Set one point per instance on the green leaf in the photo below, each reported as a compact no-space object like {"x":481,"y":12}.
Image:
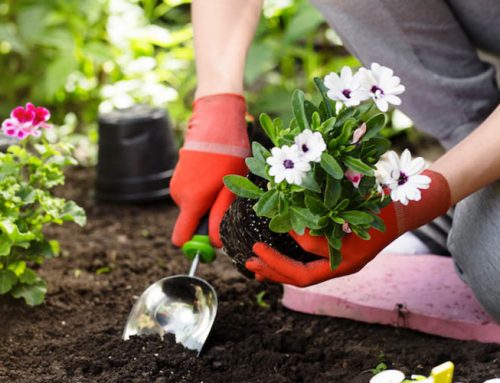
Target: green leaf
{"x":363,"y":234}
{"x":297,"y":225}
{"x":355,"y":217}
{"x":310,"y":183}
{"x":374,"y":125}
{"x":103,"y":270}
{"x":5,"y":245}
{"x":12,"y":232}
{"x":315,"y":121}
{"x":335,"y":257}
{"x":305,"y":21}
{"x":312,"y":114}
{"x":33,"y":294}
{"x":31,"y":22}
{"x":257,"y":167}
{"x":281,"y":223}
{"x":357,"y":165}
{"x":378,"y":223}
{"x":260,"y":60}
{"x":334,"y":241}
{"x":283,"y":204}
{"x":259,"y":151}
{"x":7,"y":279}
{"x":268,"y":126}
{"x":333,"y":191}
{"x":260,"y":300}
{"x":299,"y":110}
{"x":328,"y":125}
{"x":326,"y":104}
{"x":18,"y":267}
{"x":28,"y":277}
{"x":56,"y":74}
{"x":48,"y":249}
{"x":342,"y":204}
{"x":345,"y":133}
{"x":267,"y":204}
{"x":314,"y":204}
{"x":305,"y":216}
{"x":331,"y":166}
{"x":381,"y":144}
{"x":242,"y":186}
{"x":366,"y":185}
{"x":71,"y":212}
{"x":338,"y":220}
{"x":98,"y":51}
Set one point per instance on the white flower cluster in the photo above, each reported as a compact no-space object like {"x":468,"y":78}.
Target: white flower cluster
{"x":291,"y":163}
{"x":402,"y":176}
{"x":378,"y":84}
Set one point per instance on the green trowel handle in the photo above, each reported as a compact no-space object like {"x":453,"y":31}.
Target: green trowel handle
{"x":200,"y":244}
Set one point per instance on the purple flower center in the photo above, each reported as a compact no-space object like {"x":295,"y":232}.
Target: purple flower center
{"x":377,"y":91}
{"x":305,"y":149}
{"x":288,"y":164}
{"x":346,"y":93}
{"x":403,"y":178}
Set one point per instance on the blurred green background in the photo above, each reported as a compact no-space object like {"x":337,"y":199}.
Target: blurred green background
{"x":80,"y":57}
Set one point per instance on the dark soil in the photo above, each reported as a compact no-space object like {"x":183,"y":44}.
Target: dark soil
{"x":241,"y":229}
{"x":75,"y":336}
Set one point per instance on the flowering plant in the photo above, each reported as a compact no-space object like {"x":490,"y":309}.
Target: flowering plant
{"x":327,"y":169}
{"x":28,"y":172}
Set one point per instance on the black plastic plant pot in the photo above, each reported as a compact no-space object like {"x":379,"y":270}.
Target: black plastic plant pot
{"x":137,"y":155}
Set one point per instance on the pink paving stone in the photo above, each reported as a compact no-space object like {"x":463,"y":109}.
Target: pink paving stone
{"x":420,"y":292}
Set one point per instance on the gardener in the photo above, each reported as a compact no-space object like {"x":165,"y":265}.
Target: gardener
{"x":431,"y":44}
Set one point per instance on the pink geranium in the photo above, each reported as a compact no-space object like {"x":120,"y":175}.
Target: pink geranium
{"x":26,"y":121}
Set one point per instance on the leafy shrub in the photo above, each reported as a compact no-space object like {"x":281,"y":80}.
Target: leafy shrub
{"x":28,"y":173}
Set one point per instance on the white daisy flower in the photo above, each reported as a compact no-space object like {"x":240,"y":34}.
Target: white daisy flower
{"x":288,"y":164}
{"x":382,"y":86}
{"x":388,"y":376}
{"x":346,"y":88}
{"x":311,"y":145}
{"x":404,"y":178}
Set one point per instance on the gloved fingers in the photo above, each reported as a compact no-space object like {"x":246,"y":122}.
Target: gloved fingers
{"x":224,"y":199}
{"x":299,"y":274}
{"x":265,"y":273}
{"x":312,"y":244}
{"x":185,"y":226}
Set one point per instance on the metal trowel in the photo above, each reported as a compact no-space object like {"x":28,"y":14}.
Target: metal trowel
{"x":183,"y":305}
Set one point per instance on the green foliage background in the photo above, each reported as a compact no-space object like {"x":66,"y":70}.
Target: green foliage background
{"x":78,"y":56}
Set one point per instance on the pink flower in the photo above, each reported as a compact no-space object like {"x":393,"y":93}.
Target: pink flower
{"x":41,"y":115}
{"x":354,"y":177}
{"x":358,"y":134}
{"x":26,"y":121}
{"x":346,"y":228}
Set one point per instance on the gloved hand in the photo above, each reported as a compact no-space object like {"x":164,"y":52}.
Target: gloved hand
{"x":216,"y":144}
{"x":356,"y":253}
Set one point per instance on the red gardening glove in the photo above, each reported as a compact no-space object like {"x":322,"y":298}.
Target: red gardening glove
{"x":356,"y":253}
{"x":216,"y":144}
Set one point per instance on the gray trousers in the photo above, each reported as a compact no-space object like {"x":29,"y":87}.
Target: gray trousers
{"x":432,"y":45}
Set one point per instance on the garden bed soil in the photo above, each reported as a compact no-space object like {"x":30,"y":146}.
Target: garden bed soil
{"x":76,"y":335}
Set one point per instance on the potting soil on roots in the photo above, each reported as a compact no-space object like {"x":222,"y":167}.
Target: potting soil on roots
{"x":76,"y":335}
